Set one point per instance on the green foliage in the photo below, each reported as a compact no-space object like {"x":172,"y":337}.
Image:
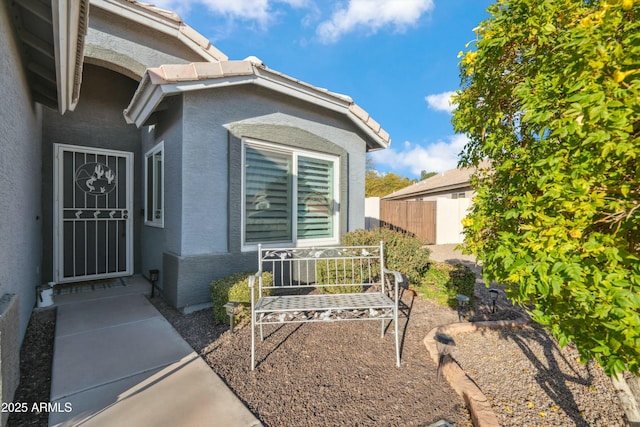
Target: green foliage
{"x":402,"y":252}
{"x":441,"y":282}
{"x":462,"y":280}
{"x":437,"y":281}
{"x":424,"y":175}
{"x":343,"y":272}
{"x":551,"y":96}
{"x":379,"y":185}
{"x":236,"y":288}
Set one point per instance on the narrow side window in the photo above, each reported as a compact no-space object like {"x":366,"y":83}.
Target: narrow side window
{"x":154,"y":186}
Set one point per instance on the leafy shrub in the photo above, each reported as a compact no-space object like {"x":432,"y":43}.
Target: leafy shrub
{"x":442,"y":282}
{"x":235,"y":288}
{"x":463,"y":281}
{"x":341,"y":272}
{"x":556,"y":220}
{"x":437,"y":273}
{"x":402,"y":252}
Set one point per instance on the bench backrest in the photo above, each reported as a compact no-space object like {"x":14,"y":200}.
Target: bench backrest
{"x":337,"y":266}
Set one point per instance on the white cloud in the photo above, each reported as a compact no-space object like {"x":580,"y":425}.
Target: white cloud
{"x":251,"y":10}
{"x":181,"y":7}
{"x":261,"y":12}
{"x":372,"y":15}
{"x":412,"y":158}
{"x":441,"y":102}
{"x":368,"y":16}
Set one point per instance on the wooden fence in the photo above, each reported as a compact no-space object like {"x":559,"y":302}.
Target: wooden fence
{"x":416,"y":217}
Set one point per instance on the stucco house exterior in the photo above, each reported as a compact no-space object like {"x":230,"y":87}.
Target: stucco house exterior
{"x":130,"y":143}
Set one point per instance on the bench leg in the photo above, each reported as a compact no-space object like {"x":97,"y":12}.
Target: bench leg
{"x":395,"y":321}
{"x":382,"y":330}
{"x":253,"y":341}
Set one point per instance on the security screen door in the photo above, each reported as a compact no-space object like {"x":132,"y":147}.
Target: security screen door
{"x":92,"y":213}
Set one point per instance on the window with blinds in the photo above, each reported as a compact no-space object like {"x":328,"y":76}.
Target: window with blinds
{"x":268,"y":190}
{"x":154,"y":182}
{"x":288,"y":195}
{"x":315,"y":198}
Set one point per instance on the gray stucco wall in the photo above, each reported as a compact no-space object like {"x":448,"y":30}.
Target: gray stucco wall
{"x":113,"y":40}
{"x":20,"y":209}
{"x":209,"y":244}
{"x":156,"y":241}
{"x":210,"y":116}
{"x":96,"y":122}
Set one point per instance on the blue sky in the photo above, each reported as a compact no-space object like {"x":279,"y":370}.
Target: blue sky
{"x":397,"y":59}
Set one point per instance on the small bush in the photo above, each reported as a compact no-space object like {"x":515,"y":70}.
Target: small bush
{"x":463,"y":281}
{"x":341,"y":272}
{"x":437,"y":274}
{"x":441,"y":282}
{"x":402,"y":252}
{"x":235,"y":288}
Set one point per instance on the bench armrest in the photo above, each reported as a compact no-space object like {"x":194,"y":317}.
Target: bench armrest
{"x":398,"y":281}
{"x":253,"y":278}
{"x":397,"y":276}
{"x":252,"y":290}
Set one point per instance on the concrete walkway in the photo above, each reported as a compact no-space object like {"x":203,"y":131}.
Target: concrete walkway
{"x":118,"y":362}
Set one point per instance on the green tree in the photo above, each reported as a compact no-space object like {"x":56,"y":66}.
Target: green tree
{"x":424,"y":175}
{"x":550,"y":95}
{"x":380,"y":185}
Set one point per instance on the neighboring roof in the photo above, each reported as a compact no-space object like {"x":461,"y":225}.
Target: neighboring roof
{"x":454,"y":179}
{"x":164,"y":21}
{"x":51,"y":35}
{"x":166,"y":80}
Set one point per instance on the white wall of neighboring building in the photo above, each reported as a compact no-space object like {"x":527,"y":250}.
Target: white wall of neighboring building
{"x":449,"y":215}
{"x":371,"y":212}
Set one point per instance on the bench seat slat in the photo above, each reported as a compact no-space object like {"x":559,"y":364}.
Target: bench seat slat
{"x":374,"y":300}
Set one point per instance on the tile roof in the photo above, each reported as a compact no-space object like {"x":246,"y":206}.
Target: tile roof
{"x":164,"y":20}
{"x":175,"y":78}
{"x":449,"y":180}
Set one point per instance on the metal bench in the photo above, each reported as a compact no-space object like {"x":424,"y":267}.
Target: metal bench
{"x":325,"y":284}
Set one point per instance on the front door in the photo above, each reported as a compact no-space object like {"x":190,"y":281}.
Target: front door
{"x":93,"y":236}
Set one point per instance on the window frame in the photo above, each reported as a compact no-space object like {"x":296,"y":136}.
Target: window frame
{"x":150,"y":155}
{"x":295,"y":153}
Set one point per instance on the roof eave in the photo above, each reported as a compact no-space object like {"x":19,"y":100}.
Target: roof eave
{"x":233,"y":73}
{"x":144,"y":102}
{"x":428,"y":192}
{"x":70,"y":19}
{"x":141,"y":108}
{"x":379,"y":137}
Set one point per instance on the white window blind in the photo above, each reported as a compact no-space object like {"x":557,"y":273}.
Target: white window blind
{"x":268,"y":193}
{"x":289,"y":195}
{"x":315,"y":198}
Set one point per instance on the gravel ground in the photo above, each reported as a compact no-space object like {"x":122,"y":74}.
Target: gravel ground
{"x":331,"y":374}
{"x":527,"y":378}
{"x":36,"y":357}
{"x":344,"y":374}
{"x":530,"y":381}
{"x":523,"y":372}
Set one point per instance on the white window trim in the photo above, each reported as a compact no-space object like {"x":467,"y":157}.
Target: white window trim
{"x":159,"y":148}
{"x":295,"y":152}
